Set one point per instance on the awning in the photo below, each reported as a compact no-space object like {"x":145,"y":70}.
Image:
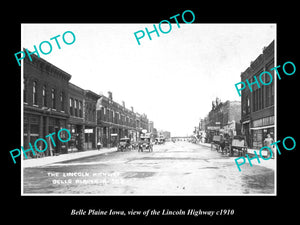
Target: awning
{"x":247,"y":121}
{"x":259,"y":128}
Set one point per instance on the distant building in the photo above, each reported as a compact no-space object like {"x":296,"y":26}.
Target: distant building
{"x":165,"y":134}
{"x":115,"y":121}
{"x":224,"y":118}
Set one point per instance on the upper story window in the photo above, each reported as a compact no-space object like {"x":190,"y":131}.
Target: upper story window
{"x":25,"y":90}
{"x":71,"y":106}
{"x":80,"y":108}
{"x":53,"y":98}
{"x":34,"y":93}
{"x":44,"y":99}
{"x":62,"y":101}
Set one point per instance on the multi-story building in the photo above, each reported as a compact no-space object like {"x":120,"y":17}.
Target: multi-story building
{"x":76,"y":120}
{"x":51,"y":102}
{"x":116,"y":121}
{"x":224,"y":117}
{"x":90,"y":119}
{"x":82,"y":122}
{"x":45,"y":102}
{"x":257,"y":114}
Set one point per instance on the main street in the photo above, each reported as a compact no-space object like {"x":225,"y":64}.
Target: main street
{"x":180,"y":168}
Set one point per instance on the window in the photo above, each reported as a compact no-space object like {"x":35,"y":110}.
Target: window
{"x":75,"y":107}
{"x":25,"y":90}
{"x":272,"y":94}
{"x":71,"y":106}
{"x":44,"y":99}
{"x":62,"y":101}
{"x":34,"y":93}
{"x":53,"y":98}
{"x":248,"y":104}
{"x":80,"y":108}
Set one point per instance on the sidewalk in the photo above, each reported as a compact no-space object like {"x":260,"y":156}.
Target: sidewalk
{"x":35,"y":162}
{"x":249,"y":150}
{"x":265,"y":163}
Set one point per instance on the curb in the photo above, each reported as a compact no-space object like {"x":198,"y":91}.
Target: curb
{"x":36,"y":162}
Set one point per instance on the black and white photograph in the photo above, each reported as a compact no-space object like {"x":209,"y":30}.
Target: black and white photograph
{"x":176,"y":108}
{"x":150,"y":114}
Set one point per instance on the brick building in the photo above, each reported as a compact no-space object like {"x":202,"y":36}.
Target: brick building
{"x":90,"y":119}
{"x":82,"y":122}
{"x":45,"y":102}
{"x":258,"y":106}
{"x":76,"y":120}
{"x":224,"y":117}
{"x":115,"y":121}
{"x":52,"y":102}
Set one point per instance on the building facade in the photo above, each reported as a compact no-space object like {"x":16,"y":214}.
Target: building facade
{"x":51,"y":102}
{"x":115,"y":121}
{"x":257,"y":115}
{"x":224,"y":118}
{"x":76,"y":119}
{"x":90,"y":119}
{"x":45,"y":103}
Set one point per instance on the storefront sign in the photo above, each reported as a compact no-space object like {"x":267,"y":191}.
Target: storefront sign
{"x":213,"y":128}
{"x":88,"y":131}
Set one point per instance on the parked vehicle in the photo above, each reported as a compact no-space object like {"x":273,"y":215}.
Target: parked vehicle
{"x":124,"y":144}
{"x":159,"y":141}
{"x":216,"y":141}
{"x":145,"y":144}
{"x":135,"y":145}
{"x":239,"y":145}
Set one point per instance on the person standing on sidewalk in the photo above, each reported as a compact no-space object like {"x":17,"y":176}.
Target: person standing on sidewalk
{"x":267,"y":142}
{"x":99,"y":145}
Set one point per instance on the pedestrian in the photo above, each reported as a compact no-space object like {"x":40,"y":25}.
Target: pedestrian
{"x":267,"y":142}
{"x":99,"y":145}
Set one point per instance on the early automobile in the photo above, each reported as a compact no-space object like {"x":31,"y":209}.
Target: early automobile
{"x":124,"y":144}
{"x":159,"y":141}
{"x":216,"y":141}
{"x":239,"y":145}
{"x":145,"y":144}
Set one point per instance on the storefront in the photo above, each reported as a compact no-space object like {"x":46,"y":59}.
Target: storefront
{"x":260,"y":129}
{"x":211,"y":131}
{"x":89,"y":137}
{"x":77,"y":137}
{"x":39,"y":124}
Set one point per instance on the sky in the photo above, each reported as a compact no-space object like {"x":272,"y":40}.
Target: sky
{"x":172,"y":78}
